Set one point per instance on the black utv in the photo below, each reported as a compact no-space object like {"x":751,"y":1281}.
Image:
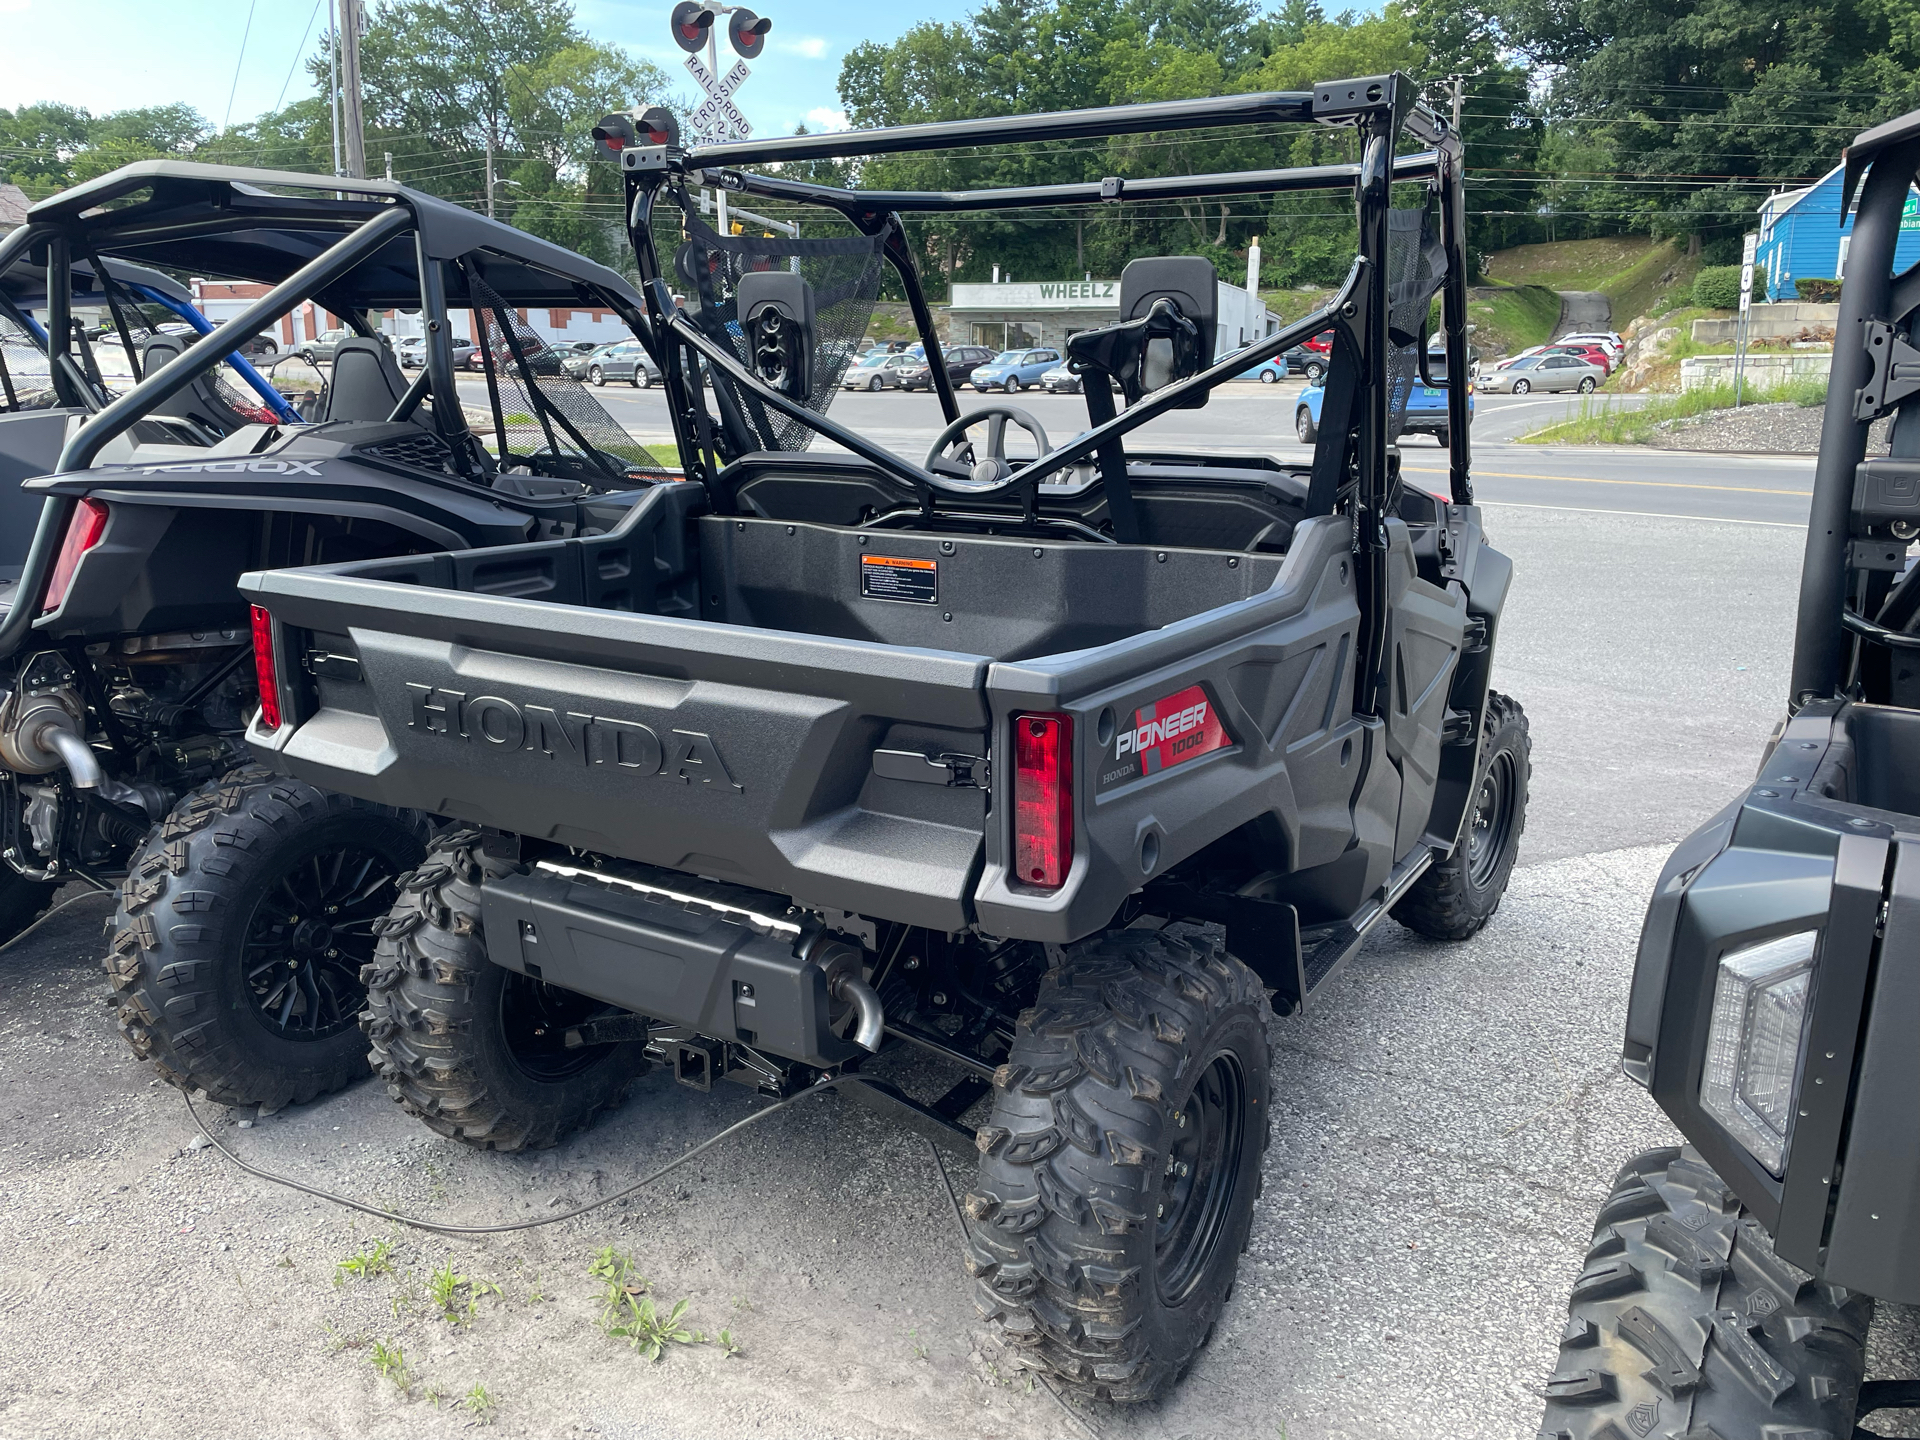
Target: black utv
{"x":1775,"y":1011}
{"x":827,"y":752}
{"x":247,"y":900}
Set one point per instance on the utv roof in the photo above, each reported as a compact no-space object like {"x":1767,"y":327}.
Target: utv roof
{"x":264,"y":225}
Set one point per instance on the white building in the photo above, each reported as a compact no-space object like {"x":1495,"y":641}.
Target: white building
{"x":1010,"y":315}
{"x":221,"y":300}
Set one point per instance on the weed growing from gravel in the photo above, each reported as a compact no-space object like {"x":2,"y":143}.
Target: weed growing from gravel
{"x":376,"y":1259}
{"x":390,"y":1363}
{"x":620,"y":1283}
{"x":457,"y":1296}
{"x":336,"y":1342}
{"x":646,"y":1330}
{"x":479,"y":1404}
{"x":729,"y":1347}
{"x":914,"y":1344}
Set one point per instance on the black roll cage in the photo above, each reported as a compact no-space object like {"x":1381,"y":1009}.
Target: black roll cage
{"x":352,"y":245}
{"x":1351,"y":460}
{"x":1842,"y":604}
{"x":1382,"y":109}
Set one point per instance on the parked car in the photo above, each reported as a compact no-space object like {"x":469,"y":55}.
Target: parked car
{"x":1426,"y":408}
{"x":322,"y":347}
{"x":1311,"y":357}
{"x":1594,"y":354}
{"x":581,"y":347}
{"x":1268,"y":372}
{"x":1061,"y":381}
{"x":1609,"y":340}
{"x":1014,"y":370}
{"x":1544,"y":372}
{"x":412,"y":352}
{"x":962,"y":361}
{"x":626,"y":360}
{"x":880,"y":371}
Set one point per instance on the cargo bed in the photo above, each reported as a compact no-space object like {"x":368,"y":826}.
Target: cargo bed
{"x":821,"y":712}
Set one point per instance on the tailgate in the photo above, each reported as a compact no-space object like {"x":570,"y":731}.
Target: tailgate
{"x":728,"y":751}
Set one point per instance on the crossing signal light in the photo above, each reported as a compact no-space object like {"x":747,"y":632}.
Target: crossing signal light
{"x":748,"y":33}
{"x":658,"y":127}
{"x":612,"y":135}
{"x":691,"y":21}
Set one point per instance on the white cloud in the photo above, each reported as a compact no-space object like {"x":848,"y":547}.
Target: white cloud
{"x":808,"y":47}
{"x":823,"y":117}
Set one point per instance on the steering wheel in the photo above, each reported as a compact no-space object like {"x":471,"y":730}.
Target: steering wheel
{"x":984,"y":473}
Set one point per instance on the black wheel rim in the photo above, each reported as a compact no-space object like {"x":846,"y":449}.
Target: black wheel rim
{"x":308,"y":937}
{"x":1491,"y":825}
{"x":534,"y":1020}
{"x":1202,"y":1171}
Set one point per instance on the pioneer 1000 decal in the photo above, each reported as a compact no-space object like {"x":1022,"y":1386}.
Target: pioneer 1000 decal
{"x":1170,"y":731}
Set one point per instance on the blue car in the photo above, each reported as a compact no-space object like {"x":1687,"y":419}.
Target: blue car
{"x":1014,"y":370}
{"x":1426,"y":408}
{"x":1267,"y":372}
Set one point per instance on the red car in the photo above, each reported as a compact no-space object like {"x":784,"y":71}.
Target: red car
{"x":1592,"y":354}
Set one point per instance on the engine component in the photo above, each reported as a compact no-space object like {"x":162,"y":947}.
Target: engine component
{"x":42,"y":731}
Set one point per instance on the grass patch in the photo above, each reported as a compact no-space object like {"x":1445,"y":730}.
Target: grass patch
{"x":1292,"y":305}
{"x":1661,"y":279}
{"x":1509,"y":318}
{"x":1570,"y":264}
{"x":1602,"y":423}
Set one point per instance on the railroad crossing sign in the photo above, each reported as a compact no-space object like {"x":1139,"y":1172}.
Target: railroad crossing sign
{"x":693,"y":26}
{"x":718,"y":116}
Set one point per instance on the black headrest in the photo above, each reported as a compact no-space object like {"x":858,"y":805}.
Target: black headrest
{"x":366,"y":383}
{"x":160,"y":350}
{"x":199,"y":402}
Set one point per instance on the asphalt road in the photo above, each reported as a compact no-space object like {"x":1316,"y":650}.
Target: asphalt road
{"x":1447,"y":1117}
{"x":1259,"y":418}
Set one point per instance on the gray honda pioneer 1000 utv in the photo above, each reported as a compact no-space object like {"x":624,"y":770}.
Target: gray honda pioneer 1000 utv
{"x":247,"y":900}
{"x":828,"y":752}
{"x":1775,"y":1013}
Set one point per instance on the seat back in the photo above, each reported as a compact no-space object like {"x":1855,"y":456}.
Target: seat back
{"x":30,"y":442}
{"x":366,"y":383}
{"x":199,"y":402}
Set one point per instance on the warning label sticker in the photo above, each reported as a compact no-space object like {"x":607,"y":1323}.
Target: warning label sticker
{"x":894,"y":577}
{"x":1172,"y":730}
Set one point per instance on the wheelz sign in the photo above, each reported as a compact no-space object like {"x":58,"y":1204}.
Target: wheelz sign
{"x":591,"y":741}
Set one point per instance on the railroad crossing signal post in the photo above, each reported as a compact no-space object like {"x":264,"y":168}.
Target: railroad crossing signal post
{"x":694,"y":23}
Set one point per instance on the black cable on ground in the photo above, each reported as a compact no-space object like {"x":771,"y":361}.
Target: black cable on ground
{"x":438,"y":1227}
{"x":84,"y":895}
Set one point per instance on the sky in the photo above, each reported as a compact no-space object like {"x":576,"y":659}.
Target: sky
{"x":118,"y":54}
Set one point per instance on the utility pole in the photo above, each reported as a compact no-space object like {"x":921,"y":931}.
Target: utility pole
{"x":333,"y":19}
{"x":389,"y":164}
{"x":354,"y":130}
{"x":1459,"y":84}
{"x":490,"y":174}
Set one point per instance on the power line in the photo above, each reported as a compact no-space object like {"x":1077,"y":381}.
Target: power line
{"x":239,"y":60}
{"x":299,"y":51}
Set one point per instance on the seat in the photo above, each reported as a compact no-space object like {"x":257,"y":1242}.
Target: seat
{"x":367,"y":383}
{"x":199,"y":404}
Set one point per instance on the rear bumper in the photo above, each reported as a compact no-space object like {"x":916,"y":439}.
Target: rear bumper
{"x":1782,"y":859}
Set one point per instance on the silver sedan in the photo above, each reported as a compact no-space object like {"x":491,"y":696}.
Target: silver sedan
{"x":1543,"y":372}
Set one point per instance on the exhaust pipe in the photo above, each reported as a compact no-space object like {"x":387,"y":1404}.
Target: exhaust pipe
{"x":847,"y":985}
{"x":81,"y":762}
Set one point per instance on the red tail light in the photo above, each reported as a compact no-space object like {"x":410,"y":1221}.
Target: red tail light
{"x":1042,"y":800}
{"x":84,"y":529}
{"x":265,"y":670}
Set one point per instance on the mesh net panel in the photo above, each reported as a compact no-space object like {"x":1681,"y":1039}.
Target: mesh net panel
{"x":1416,"y":264}
{"x":27,"y":377}
{"x":845,"y":273}
{"x":546,"y":411}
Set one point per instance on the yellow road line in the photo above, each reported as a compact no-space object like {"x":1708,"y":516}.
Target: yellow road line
{"x":1595,"y":480}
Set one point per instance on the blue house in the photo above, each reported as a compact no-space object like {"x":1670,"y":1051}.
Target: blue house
{"x":1800,"y":239}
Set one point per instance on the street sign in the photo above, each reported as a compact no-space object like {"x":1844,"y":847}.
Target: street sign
{"x":718,"y":116}
{"x":1747,"y":252}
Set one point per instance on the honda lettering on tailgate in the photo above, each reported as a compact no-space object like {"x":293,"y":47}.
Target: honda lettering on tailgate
{"x":1170,"y":731}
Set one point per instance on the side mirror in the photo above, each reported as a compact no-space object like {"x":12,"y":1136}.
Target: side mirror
{"x":776,"y":311}
{"x":1192,"y":284}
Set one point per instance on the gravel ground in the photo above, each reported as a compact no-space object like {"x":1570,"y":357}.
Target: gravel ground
{"x":1447,"y":1120}
{"x":1782,"y":429}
